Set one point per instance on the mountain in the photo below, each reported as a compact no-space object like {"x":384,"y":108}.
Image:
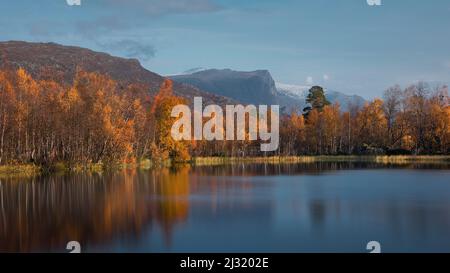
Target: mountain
{"x":296,"y":97}
{"x":345,"y":101}
{"x":63,"y":62}
{"x":193,"y":70}
{"x":258,"y":87}
{"x":255,"y":87}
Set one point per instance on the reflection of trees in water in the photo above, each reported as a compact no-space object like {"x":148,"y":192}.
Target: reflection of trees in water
{"x":171,"y":203}
{"x":305,"y":168}
{"x":45,"y":213}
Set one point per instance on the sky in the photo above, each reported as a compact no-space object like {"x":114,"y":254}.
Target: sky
{"x":343,"y":45}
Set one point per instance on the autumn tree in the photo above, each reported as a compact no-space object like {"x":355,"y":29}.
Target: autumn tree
{"x":372,"y":127}
{"x":164,"y":146}
{"x":392,"y":107}
{"x":292,"y":133}
{"x":417,"y":113}
{"x":331,"y":120}
{"x":438,"y":136}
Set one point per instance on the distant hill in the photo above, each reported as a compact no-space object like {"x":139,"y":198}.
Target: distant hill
{"x":222,"y":87}
{"x":294,"y":96}
{"x":255,"y":87}
{"x":62,"y":63}
{"x":258,"y":87}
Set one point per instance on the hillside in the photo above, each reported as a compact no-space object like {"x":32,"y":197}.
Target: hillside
{"x":61,"y":63}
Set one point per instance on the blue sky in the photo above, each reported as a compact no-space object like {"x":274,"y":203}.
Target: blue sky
{"x":345,"y":45}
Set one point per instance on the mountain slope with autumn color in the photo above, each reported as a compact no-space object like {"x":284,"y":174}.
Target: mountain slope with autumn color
{"x":60,"y":63}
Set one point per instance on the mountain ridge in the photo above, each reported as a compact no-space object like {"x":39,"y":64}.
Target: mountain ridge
{"x":63,"y":61}
{"x":250,"y":87}
{"x":218,"y":86}
{"x":258,"y":87}
{"x":298,"y":93}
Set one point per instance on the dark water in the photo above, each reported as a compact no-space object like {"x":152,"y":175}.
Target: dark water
{"x":320,"y":207}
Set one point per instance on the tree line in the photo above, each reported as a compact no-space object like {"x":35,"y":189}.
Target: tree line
{"x":415,"y":120}
{"x":93,"y":119}
{"x":412,"y":121}
{"x":90,"y":121}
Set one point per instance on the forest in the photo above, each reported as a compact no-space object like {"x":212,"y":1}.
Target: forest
{"x":95,"y":120}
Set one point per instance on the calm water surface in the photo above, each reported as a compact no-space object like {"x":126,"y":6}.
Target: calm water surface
{"x":323,"y":207}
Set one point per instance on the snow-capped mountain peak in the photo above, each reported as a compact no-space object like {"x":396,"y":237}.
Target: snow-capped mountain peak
{"x":295,"y":95}
{"x":299,"y":91}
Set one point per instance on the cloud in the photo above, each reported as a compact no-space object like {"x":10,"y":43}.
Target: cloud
{"x":131,"y":49}
{"x":309,"y":80}
{"x":104,"y":17}
{"x":100,"y":26}
{"x":164,"y":7}
{"x":326,"y":77}
{"x":120,"y":15}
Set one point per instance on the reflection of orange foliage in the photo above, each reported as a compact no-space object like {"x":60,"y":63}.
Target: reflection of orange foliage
{"x":173,"y":197}
{"x":44,"y":215}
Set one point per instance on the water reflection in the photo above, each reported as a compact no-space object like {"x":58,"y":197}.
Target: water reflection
{"x":253,"y":207}
{"x":42,"y":214}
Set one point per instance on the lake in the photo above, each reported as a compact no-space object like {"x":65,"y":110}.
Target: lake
{"x":317,"y":207}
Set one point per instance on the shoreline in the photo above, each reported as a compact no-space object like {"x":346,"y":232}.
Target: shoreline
{"x":30,"y":170}
{"x":433,"y":159}
{"x":19,"y":170}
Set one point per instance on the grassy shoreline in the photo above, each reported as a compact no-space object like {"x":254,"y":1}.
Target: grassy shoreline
{"x":31,"y":170}
{"x":19,"y":170}
{"x":203,"y":161}
{"x":28,"y":170}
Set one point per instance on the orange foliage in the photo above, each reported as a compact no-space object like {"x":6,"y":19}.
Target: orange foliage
{"x":94,"y":120}
{"x":90,"y":121}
